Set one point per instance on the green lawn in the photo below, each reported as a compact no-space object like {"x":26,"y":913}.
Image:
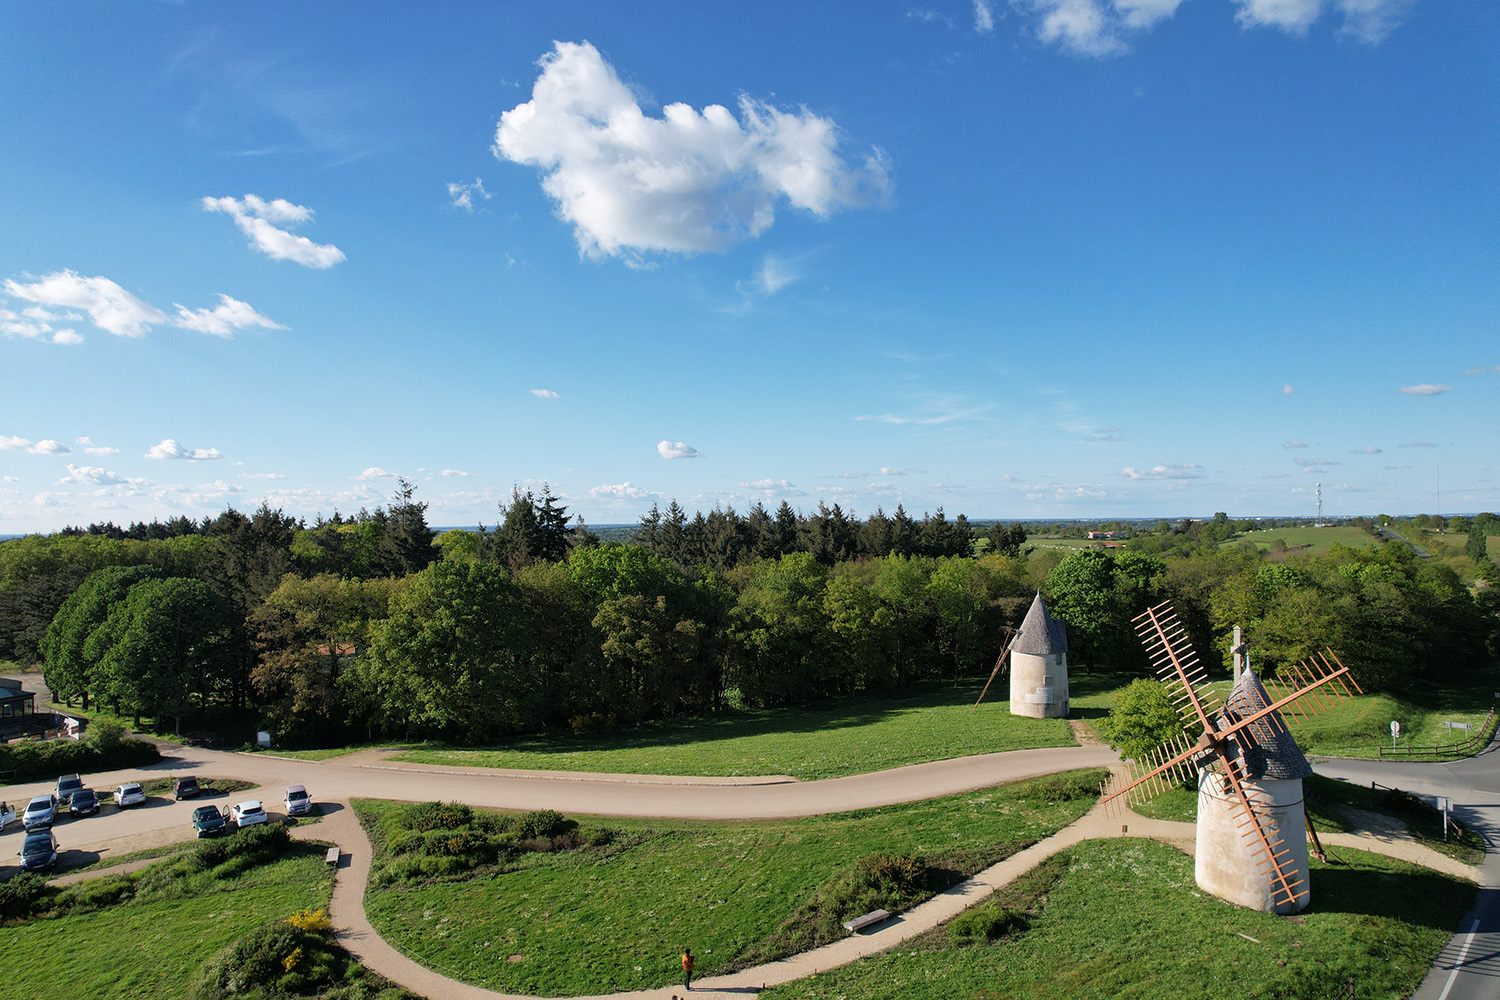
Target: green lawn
{"x":1124,"y":919}
{"x":1313,"y":541}
{"x":570,"y":924}
{"x":154,"y":949}
{"x":869,"y":734}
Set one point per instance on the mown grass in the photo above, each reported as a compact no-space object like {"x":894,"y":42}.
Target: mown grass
{"x":856,"y":737}
{"x":592,"y":921}
{"x":1311,"y":541}
{"x":1335,"y":806}
{"x":155,"y":948}
{"x":1124,"y":919}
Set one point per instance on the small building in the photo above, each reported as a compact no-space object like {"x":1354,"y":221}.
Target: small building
{"x":18,"y":716}
{"x":1039,"y":666}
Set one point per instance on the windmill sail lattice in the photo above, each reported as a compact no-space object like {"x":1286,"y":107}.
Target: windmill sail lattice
{"x":1235,"y":738}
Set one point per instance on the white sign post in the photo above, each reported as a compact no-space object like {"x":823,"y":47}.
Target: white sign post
{"x":1445,"y":805}
{"x":1395,"y":731}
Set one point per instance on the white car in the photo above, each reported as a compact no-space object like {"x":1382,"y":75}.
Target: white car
{"x":248,"y":813}
{"x":129,"y":795}
{"x":298,"y":802}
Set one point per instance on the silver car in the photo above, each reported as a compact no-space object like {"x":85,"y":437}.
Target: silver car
{"x":298,"y":802}
{"x":40,"y":811}
{"x":130,"y":794}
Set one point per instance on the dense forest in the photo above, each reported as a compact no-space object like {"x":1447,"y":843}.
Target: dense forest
{"x":375,"y":625}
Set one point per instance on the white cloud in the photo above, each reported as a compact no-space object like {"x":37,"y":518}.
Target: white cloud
{"x":1286,"y":389}
{"x":375,"y":472}
{"x":1145,"y":13}
{"x":170,"y":449}
{"x":774,"y":275}
{"x":1481,"y":370}
{"x":623,"y":491}
{"x":255,"y":217}
{"x":1081,"y":26}
{"x":36,"y":323}
{"x":457,"y":474}
{"x":1167,"y":470}
{"x":231,"y":315}
{"x":667,"y":449}
{"x":929,"y":16}
{"x":463,"y":195}
{"x":9,"y":443}
{"x":263,"y":475}
{"x":545,"y":394}
{"x":1426,"y":389}
{"x":110,"y":307}
{"x":892,"y":472}
{"x":776,"y":486}
{"x":49,"y":447}
{"x":1295,"y":444}
{"x":984,"y":17}
{"x":1418,"y":444}
{"x":686,"y":182}
{"x":91,"y":448}
{"x":1368,"y":450}
{"x":92,"y":475}
{"x":1367,"y":21}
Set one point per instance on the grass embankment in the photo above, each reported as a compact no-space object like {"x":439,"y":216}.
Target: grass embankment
{"x":1123,"y":919}
{"x":868,"y":734}
{"x":155,"y":945}
{"x":1336,"y":806}
{"x":614,"y":917}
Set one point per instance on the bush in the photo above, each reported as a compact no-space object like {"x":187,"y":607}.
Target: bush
{"x":543,"y":823}
{"x":49,"y":758}
{"x":23,"y":895}
{"x":230,"y":856}
{"x":990,"y":922}
{"x":895,"y":874}
{"x":438,"y":816}
{"x":297,"y":955}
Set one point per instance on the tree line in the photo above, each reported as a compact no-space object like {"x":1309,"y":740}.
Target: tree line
{"x":377,"y":626}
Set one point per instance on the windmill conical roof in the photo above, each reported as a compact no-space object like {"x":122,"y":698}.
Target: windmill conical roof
{"x":1041,"y":634}
{"x":1268,"y":748}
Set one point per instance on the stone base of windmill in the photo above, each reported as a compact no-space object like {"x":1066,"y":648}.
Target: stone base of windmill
{"x":1224,"y":864}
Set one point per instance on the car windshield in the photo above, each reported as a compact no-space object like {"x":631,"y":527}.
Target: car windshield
{"x":37,"y":845}
{"x":83,"y":796}
{"x":69,"y":783}
{"x":207,"y":812}
{"x":295,"y":796}
{"x":39,"y":805}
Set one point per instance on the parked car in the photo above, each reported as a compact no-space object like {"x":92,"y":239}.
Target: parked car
{"x":83,"y":803}
{"x":38,"y":851}
{"x":208,"y":821}
{"x":185,"y":788}
{"x":40,"y":811}
{"x":129,"y":794}
{"x":248,"y":813}
{"x":298,"y":802}
{"x":66,"y":786}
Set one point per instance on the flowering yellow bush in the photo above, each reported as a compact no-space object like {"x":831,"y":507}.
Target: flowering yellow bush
{"x":311,"y":921}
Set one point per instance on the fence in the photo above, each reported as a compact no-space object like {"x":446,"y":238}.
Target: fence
{"x":1461,"y":749}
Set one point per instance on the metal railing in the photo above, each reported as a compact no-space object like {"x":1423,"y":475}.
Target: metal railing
{"x":1463,"y":748}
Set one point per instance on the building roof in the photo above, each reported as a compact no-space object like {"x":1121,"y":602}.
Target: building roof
{"x":1269,"y":751}
{"x":1041,"y":634}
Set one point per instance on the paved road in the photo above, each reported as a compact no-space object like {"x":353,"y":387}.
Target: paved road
{"x":1469,"y":967}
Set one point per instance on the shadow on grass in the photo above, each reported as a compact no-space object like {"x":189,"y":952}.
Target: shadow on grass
{"x":1415,"y":896}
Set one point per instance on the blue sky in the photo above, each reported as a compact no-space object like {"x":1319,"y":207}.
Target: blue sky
{"x":1040,"y":258}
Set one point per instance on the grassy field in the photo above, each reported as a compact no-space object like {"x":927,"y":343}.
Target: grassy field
{"x":1123,"y":919}
{"x":154,"y":949}
{"x":581,"y":923}
{"x":1313,"y":541}
{"x":869,"y":734}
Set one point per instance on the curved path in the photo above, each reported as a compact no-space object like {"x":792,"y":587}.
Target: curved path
{"x":336,"y":781}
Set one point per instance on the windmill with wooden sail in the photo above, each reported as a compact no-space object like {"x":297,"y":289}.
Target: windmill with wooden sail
{"x":1038,"y":666}
{"x":1251,"y":845}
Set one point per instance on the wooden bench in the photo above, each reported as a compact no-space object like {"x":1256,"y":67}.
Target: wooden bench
{"x":332,"y":857}
{"x":868,"y":920}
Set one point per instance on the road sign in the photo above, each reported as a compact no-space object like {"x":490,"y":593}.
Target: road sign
{"x":1395,"y":731}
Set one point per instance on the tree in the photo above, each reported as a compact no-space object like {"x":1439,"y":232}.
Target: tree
{"x":1142,"y":719}
{"x":1006,"y":541}
{"x":70,"y":671}
{"x":1083,"y":596}
{"x":407,"y":542}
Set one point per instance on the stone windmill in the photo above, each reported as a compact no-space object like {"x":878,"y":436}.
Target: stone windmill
{"x":1252,"y":848}
{"x":1038,"y":666}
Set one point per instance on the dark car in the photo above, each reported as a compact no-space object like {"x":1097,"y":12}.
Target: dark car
{"x":83,"y":803}
{"x":185,"y":788}
{"x":208,"y":821}
{"x":66,"y":786}
{"x":38,"y":851}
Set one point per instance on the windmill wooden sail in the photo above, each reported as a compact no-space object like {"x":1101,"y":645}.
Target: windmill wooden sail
{"x":1240,"y":744}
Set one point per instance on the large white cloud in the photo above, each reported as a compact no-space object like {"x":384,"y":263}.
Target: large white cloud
{"x":687,"y":182}
{"x":110,"y":307}
{"x":676,"y":449}
{"x":256,"y":218}
{"x":231,"y":315}
{"x":170,"y":449}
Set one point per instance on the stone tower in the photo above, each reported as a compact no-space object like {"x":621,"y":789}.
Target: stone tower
{"x":1275,"y":767}
{"x":1039,"y":666}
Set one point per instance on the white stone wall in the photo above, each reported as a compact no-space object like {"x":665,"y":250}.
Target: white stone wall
{"x":1039,"y":685}
{"x":1224,"y":864}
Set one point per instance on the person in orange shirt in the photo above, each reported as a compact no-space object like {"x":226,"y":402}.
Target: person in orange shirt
{"x":687,"y":968}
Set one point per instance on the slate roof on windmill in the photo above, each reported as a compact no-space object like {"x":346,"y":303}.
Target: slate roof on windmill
{"x":1270,"y":752}
{"x":1041,"y":634}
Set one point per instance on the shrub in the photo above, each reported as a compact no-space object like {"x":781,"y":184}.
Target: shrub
{"x":233,"y":855}
{"x":543,"y":823}
{"x":896,"y":874}
{"x":438,"y":816}
{"x":23,"y":895}
{"x":990,"y":922}
{"x":297,"y":955}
